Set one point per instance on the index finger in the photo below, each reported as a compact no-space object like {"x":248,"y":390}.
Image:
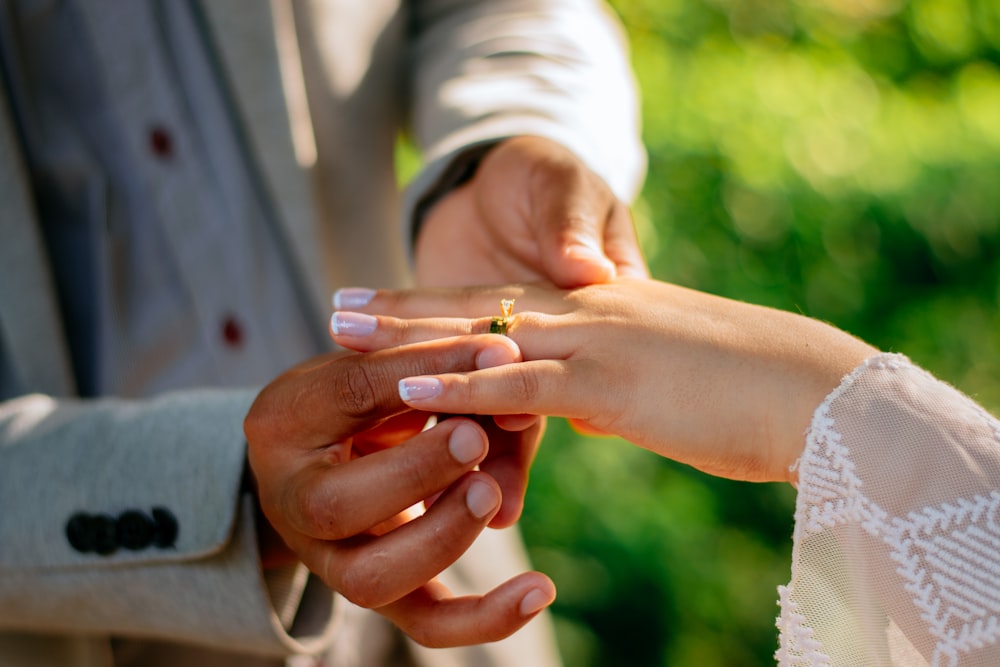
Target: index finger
{"x":333,"y":400}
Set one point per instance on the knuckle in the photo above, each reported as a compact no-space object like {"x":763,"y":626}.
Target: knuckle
{"x":322,"y":515}
{"x":576,"y":223}
{"x":402,"y":332}
{"x":260,"y":422}
{"x":391,"y":300}
{"x":357,"y":388}
{"x":525,"y":321}
{"x":363,"y":582}
{"x":253,"y":426}
{"x":523,"y":388}
{"x":420,"y":632}
{"x":416,"y":475}
{"x":550,"y":172}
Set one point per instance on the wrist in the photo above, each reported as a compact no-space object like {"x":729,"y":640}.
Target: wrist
{"x":460,"y":170}
{"x":839,"y":354}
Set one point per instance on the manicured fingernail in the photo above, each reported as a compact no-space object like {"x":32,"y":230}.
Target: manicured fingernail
{"x":415,"y":389}
{"x":352,"y":297}
{"x":352,"y":324}
{"x":481,"y":499}
{"x":534,"y":601}
{"x":466,"y":444}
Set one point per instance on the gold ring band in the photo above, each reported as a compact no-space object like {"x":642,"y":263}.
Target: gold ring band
{"x":498,"y":325}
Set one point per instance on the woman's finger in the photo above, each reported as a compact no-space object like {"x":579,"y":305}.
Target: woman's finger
{"x":534,"y":335}
{"x":448,"y":302}
{"x":363,"y":332}
{"x":545,"y":387}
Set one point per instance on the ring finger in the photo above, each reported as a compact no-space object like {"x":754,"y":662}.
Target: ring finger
{"x":533,"y":333}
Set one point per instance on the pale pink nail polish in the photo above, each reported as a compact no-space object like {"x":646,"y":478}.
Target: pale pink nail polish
{"x":352,"y":297}
{"x":415,"y":389}
{"x":352,"y":324}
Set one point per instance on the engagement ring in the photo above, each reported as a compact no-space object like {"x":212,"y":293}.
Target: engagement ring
{"x":498,"y":325}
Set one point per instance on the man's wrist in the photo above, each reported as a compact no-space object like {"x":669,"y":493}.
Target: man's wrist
{"x":459,"y":171}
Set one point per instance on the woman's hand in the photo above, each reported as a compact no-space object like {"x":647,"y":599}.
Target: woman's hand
{"x":724,"y":386}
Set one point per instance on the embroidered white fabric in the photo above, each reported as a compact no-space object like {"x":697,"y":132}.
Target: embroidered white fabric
{"x":896,"y":556}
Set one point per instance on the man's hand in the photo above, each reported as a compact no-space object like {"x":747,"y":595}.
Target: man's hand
{"x":533,"y":211}
{"x":345,"y":515}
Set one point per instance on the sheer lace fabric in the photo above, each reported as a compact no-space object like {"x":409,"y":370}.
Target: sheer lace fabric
{"x":896,"y":556}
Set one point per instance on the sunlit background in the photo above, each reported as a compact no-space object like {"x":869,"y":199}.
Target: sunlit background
{"x":839,"y":158}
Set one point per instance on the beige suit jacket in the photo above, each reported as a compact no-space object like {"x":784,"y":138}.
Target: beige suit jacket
{"x":322,"y":88}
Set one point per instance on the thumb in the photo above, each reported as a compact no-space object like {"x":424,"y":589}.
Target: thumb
{"x":621,"y":244}
{"x":571,"y":236}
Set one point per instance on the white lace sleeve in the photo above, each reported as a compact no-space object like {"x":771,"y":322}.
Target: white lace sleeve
{"x":896,"y":557}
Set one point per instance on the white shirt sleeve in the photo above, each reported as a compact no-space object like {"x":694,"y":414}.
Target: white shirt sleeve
{"x":896,"y":556}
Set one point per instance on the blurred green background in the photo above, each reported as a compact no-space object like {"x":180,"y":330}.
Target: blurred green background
{"x":839,"y":158}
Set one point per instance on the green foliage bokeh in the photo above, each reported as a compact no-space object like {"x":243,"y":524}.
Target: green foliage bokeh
{"x":839,"y":158}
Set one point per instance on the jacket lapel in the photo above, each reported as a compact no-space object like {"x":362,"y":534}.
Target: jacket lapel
{"x":31,"y":332}
{"x":30,"y":326}
{"x":244,"y":34}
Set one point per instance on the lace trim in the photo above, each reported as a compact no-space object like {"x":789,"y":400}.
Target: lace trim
{"x":798,"y":646}
{"x":949,"y":555}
